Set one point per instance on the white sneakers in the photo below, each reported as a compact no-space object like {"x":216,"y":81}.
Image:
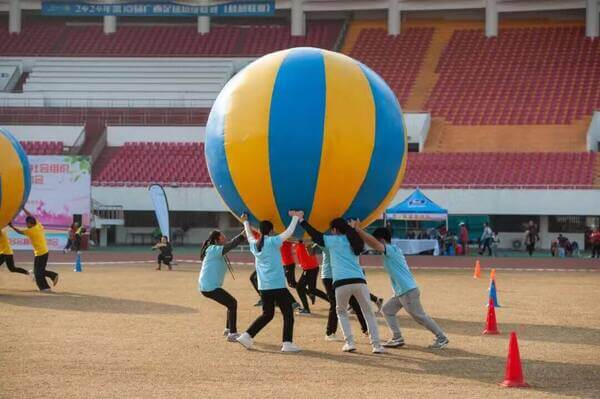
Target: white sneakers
{"x":246,"y":340}
{"x":232,"y":337}
{"x":289,"y":347}
{"x":378,"y":349}
{"x":348,"y":347}
{"x":332,"y":338}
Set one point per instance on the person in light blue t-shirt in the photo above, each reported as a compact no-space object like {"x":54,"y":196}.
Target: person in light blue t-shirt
{"x":210,"y":283}
{"x":406,"y":291}
{"x":272,"y":283}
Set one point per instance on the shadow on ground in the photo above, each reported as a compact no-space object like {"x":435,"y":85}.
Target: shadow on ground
{"x":565,"y":378}
{"x":92,"y":303}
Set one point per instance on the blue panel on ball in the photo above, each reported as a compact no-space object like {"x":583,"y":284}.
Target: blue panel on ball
{"x":216,"y":159}
{"x":296,"y":123}
{"x":388,"y":152}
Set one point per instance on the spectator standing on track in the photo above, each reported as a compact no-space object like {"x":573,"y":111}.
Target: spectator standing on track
{"x":495,"y":243}
{"x":595,"y":241}
{"x":464,"y":238}
{"x":486,"y":239}
{"x":70,"y":237}
{"x":531,"y":237}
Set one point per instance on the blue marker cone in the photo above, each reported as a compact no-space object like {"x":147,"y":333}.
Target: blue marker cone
{"x":493,"y":295}
{"x":78,"y":263}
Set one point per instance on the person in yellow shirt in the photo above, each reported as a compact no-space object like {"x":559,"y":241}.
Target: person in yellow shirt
{"x":35,"y":233}
{"x":6,"y":254}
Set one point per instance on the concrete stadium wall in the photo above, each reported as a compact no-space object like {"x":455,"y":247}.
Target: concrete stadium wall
{"x":118,"y":135}
{"x":67,"y":134}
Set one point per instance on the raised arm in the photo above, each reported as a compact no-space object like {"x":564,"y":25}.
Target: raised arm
{"x":315,"y":234}
{"x":247,"y":229}
{"x":369,"y":239}
{"x":16,"y":230}
{"x":237,"y":240}
{"x":290,"y":229}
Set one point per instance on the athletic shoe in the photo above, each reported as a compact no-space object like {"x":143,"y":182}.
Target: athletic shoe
{"x":378,"y":349}
{"x":348,"y":347}
{"x":439,"y":343}
{"x":304,"y":312}
{"x":313,"y":298}
{"x":332,"y":338}
{"x":379,"y":304}
{"x":32,"y":275}
{"x":259,"y":303}
{"x":55,"y":280}
{"x":246,"y":340}
{"x":226,"y":332}
{"x":394,"y":343}
{"x":289,"y":347}
{"x":296,"y":305}
{"x":232,"y":337}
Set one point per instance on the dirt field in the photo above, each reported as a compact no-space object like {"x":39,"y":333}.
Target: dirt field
{"x":127,"y":331}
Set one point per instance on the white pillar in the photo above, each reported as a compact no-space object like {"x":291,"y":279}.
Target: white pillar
{"x":591,"y":18}
{"x":110,"y":24}
{"x":103,"y":237}
{"x":14,"y":17}
{"x":393,"y":18}
{"x":491,"y":18}
{"x":298,"y":18}
{"x":204,"y":21}
{"x":203,"y":25}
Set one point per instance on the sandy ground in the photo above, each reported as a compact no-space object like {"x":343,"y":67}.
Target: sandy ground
{"x":127,"y":331}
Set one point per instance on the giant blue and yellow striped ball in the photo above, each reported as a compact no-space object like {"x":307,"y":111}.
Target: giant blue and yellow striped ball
{"x":15,"y":177}
{"x":306,"y":129}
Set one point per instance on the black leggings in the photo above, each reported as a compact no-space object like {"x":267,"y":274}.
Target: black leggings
{"x":531,"y":248}
{"x":282,"y":298}
{"x":290,"y":274}
{"x":166,"y":259}
{"x":40,"y":272}
{"x":596,"y":251}
{"x":309,"y":280}
{"x":10,"y":263}
{"x":332,"y":320}
{"x":224,"y":298}
{"x":254,"y":281}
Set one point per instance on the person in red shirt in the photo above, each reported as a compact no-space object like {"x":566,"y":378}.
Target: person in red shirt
{"x":595,"y":241}
{"x":289,"y":264}
{"x":464,"y":238}
{"x":308,"y":280}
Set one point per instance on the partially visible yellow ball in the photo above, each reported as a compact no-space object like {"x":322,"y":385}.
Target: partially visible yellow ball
{"x":15,"y":177}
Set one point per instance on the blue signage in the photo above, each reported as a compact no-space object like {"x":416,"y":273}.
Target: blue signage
{"x":162,"y":8}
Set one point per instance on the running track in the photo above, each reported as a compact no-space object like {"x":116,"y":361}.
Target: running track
{"x":415,"y":262}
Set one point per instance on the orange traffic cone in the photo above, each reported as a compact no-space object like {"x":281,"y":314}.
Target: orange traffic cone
{"x":491,"y":328}
{"x":514,"y":373}
{"x":477,"y":271}
{"x":493,"y":275}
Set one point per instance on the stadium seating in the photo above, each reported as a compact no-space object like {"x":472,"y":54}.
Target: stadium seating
{"x":500,"y":170}
{"x":138,"y":164}
{"x":43,"y":38}
{"x":396,"y":59}
{"x":525,"y":76}
{"x":43,"y":147}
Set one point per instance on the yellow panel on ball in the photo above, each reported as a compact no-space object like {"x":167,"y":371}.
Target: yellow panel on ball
{"x":15,"y":177}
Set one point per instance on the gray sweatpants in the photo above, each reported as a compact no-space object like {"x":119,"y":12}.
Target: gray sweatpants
{"x":411,"y":301}
{"x":361,"y":293}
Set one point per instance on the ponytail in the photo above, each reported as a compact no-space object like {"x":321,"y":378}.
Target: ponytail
{"x":356,"y":243}
{"x":211,"y":240}
{"x":265,"y":227}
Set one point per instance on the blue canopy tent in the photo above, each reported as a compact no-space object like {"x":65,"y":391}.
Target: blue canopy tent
{"x":417,"y":207}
